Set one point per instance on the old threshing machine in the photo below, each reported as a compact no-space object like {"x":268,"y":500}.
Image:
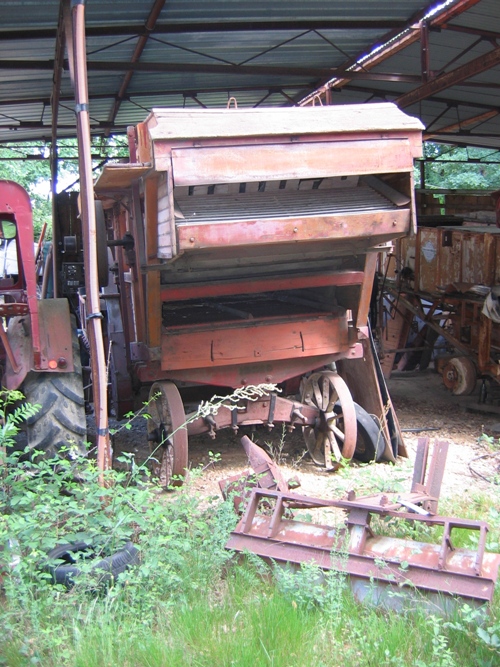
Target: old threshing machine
{"x":245,"y":244}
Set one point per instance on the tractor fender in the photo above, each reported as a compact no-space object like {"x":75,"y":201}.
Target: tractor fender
{"x":56,"y":348}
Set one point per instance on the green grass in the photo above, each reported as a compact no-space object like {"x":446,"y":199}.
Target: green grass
{"x":191,"y":603}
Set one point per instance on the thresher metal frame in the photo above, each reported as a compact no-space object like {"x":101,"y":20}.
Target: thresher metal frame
{"x":358,"y":551}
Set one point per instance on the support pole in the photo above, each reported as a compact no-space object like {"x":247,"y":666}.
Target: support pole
{"x":94,"y":316}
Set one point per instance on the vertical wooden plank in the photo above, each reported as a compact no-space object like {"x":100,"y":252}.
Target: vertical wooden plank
{"x":489,"y":260}
{"x":152,"y":278}
{"x":137,"y":225}
{"x":167,"y":244}
{"x":151,"y":218}
{"x":427,"y":259}
{"x":484,"y":349}
{"x":366,"y":289}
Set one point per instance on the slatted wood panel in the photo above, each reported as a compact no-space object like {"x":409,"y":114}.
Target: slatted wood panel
{"x":279,"y":204}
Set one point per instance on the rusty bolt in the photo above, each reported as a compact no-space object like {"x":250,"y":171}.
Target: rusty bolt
{"x":191,"y":240}
{"x":62,"y":362}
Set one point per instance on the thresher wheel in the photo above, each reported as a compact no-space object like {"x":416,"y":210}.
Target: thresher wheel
{"x":459,"y":375}
{"x":334,"y":435}
{"x":167,"y":433}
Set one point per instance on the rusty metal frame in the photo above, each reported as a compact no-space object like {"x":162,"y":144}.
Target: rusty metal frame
{"x":146,"y":31}
{"x":15,"y":204}
{"x":466,"y":71}
{"x":365,"y":556}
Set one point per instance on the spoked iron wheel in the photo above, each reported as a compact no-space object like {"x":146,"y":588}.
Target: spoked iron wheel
{"x":333,"y":437}
{"x":166,"y":434}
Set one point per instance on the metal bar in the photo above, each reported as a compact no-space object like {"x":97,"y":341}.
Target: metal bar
{"x":8,"y":349}
{"x":393,"y":42}
{"x":138,"y":51}
{"x":420,"y":313}
{"x":160,"y":93}
{"x":123,"y":66}
{"x":439,"y":100}
{"x":420,"y":464}
{"x":54,"y":102}
{"x":274,"y":524}
{"x":172,"y":28}
{"x":364,"y":567}
{"x":436,"y":473}
{"x":456,"y":76}
{"x":485,"y":34}
{"x":424,"y":51}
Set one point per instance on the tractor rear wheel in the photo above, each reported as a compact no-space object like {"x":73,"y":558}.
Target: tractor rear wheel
{"x":59,"y":426}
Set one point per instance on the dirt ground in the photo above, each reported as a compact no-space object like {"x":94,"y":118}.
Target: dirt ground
{"x":421,"y":402}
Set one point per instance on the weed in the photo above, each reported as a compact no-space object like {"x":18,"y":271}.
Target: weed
{"x":190,"y":602}
{"x":276,"y":450}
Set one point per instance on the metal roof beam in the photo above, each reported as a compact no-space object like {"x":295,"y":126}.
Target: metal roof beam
{"x":456,"y":76}
{"x":223,"y":26}
{"x":389,"y":95}
{"x":140,"y":46}
{"x":163,"y":93}
{"x":485,"y":34}
{"x":392,"y":43}
{"x":114,"y":66}
{"x":480,"y":118}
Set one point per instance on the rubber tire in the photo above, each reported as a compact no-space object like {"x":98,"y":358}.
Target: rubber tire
{"x":370,"y":441}
{"x":107,"y":569}
{"x":60,"y":423}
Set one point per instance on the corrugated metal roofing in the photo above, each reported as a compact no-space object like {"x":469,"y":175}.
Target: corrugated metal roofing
{"x":465,"y":112}
{"x":268,"y":54}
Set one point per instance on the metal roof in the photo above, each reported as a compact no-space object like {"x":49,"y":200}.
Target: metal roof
{"x":189,"y":53}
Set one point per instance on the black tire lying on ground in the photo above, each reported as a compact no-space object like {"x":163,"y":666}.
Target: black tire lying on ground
{"x":104,"y":569}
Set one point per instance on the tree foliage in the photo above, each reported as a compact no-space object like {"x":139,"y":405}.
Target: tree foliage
{"x":29,"y":165}
{"x":457,"y":168}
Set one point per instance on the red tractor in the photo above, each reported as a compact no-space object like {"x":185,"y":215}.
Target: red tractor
{"x":39,"y":346}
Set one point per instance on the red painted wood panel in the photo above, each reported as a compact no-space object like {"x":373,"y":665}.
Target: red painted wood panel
{"x":258,"y":341}
{"x":234,"y":164}
{"x":286,"y":230}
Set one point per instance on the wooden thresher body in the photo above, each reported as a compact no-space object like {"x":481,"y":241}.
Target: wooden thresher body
{"x":255,"y":239}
